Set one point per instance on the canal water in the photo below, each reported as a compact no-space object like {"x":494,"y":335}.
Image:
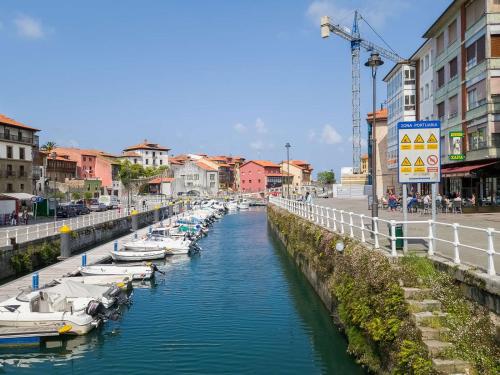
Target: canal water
{"x":240,"y":307}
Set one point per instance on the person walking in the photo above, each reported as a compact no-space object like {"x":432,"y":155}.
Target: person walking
{"x":393,"y":201}
{"x":13,"y":217}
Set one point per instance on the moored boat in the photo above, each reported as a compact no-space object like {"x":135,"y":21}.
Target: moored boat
{"x":135,"y":272}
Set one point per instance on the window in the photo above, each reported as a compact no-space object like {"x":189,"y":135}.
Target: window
{"x":495,"y":45}
{"x":9,"y":188}
{"x":453,"y":106}
{"x":427,"y":62}
{"x":474,"y":12}
{"x":21,"y":171}
{"x":212,"y":184}
{"x":147,"y":152}
{"x":22,"y":153}
{"x":426,"y":91}
{"x":135,"y":161}
{"x":452,"y":32}
{"x":249,"y":181}
{"x":84,"y":158}
{"x":440,"y":78}
{"x":476,"y":52}
{"x":242,"y":181}
{"x":409,"y":76}
{"x":10,"y":152}
{"x":161,"y":162}
{"x":421,"y":94}
{"x":477,"y":139}
{"x":476,"y":95}
{"x":453,"y":68}
{"x":154,"y":154}
{"x":409,"y":102}
{"x":147,"y":161}
{"x":212,"y":178}
{"x":440,"y":111}
{"x":421,"y":66}
{"x":440,"y":44}
{"x":258,"y":181}
{"x":22,"y":186}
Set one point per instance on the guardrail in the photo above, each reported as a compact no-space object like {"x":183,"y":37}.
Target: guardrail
{"x":452,"y":241}
{"x":25,"y":233}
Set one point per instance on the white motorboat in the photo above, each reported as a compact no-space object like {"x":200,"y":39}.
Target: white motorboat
{"x":232,"y":206}
{"x":121,"y":281}
{"x":137,"y":255}
{"x":135,"y":272}
{"x":107,"y":295}
{"x":243,"y":205}
{"x":71,"y":315}
{"x":156,"y":243}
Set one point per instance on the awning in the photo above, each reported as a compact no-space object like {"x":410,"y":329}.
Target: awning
{"x":19,"y":196}
{"x":464,"y":170}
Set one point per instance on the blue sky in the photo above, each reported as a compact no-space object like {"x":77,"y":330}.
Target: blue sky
{"x":217,"y":77}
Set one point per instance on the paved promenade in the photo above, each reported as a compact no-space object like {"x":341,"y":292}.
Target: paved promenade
{"x":468,"y":244}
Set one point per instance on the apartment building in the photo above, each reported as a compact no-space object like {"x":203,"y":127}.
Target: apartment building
{"x":465,"y":41}
{"x":18,"y":144}
{"x":195,"y":177}
{"x":401,"y":106}
{"x":256,"y":176}
{"x":300,"y":175}
{"x":147,"y":154}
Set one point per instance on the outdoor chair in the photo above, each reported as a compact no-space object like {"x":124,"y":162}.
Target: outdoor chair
{"x":457,"y":207}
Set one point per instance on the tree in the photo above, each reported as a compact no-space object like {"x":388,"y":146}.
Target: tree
{"x":48,"y":146}
{"x":76,"y":196}
{"x":87,"y":195}
{"x":326,"y":177}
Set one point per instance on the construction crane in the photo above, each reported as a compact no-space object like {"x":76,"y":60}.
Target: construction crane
{"x":353,"y":36}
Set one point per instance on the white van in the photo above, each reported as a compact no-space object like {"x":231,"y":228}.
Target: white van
{"x":111,"y":201}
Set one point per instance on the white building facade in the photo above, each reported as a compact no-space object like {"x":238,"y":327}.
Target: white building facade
{"x":147,"y":154}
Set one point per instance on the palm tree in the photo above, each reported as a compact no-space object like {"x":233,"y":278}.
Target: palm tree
{"x":49,"y":146}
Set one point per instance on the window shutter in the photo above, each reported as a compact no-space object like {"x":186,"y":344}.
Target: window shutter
{"x":495,"y":46}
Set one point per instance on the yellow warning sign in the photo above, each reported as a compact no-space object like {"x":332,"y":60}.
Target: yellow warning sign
{"x":406,"y":163}
{"x":405,"y":169}
{"x":432,"y":139}
{"x":406,"y":139}
{"x":419,"y":139}
{"x":419,"y":162}
{"x":419,"y":169}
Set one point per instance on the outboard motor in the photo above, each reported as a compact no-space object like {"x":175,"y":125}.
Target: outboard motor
{"x":94,"y":308}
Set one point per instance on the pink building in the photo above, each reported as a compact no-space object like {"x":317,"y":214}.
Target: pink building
{"x":95,"y":164}
{"x":259,"y":175}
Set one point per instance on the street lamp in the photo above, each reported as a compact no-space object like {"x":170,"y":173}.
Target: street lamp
{"x":374,"y":62}
{"x":288,"y":167}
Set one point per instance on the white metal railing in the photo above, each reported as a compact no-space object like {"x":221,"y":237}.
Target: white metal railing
{"x":24,"y":233}
{"x":453,"y":241}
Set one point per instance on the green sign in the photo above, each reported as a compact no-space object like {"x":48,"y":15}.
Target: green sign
{"x":456,"y":141}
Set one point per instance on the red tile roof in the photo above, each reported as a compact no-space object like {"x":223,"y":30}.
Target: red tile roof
{"x":131,"y":154}
{"x":381,"y":115}
{"x":264,"y":163}
{"x":8,"y":121}
{"x":147,"y":146}
{"x":206,"y":166}
{"x":159,"y":180}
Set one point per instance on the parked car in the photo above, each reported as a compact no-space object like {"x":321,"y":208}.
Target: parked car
{"x":111,"y":201}
{"x":95,"y":206}
{"x":65,"y":211}
{"x":81,"y":208}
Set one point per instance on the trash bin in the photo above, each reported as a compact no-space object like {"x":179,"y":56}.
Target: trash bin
{"x":399,"y":235}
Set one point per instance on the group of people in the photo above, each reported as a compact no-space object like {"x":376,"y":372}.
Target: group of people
{"x":392,"y":201}
{"x":19,"y":218}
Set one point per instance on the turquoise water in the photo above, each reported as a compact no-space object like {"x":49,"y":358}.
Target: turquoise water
{"x":240,"y":307}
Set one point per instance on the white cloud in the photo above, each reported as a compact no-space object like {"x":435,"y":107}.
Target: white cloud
{"x":240,"y":128}
{"x":29,"y":27}
{"x":342,"y":11}
{"x":257,"y":145}
{"x":330,"y":136}
{"x":260,"y":126}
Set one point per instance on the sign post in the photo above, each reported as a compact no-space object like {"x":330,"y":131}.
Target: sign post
{"x":419,"y":160}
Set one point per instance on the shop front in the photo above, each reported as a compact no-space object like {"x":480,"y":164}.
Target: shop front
{"x":478,"y":184}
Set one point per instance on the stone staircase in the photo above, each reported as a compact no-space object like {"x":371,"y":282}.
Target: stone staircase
{"x":429,"y":319}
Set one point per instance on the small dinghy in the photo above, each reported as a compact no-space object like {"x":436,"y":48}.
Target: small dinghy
{"x":121,"y":281}
{"x":135,"y":272}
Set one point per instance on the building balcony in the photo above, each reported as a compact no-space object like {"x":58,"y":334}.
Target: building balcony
{"x":33,"y":141}
{"x":478,"y":109}
{"x":483,"y":149}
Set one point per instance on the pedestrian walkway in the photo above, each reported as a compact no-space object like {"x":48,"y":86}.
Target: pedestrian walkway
{"x":472,"y":239}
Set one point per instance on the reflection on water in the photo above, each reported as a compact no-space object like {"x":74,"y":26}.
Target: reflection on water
{"x":240,"y":306}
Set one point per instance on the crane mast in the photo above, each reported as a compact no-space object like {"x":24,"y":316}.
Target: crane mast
{"x":353,"y":36}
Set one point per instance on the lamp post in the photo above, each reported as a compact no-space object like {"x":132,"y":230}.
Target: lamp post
{"x":287,"y":145}
{"x":374,"y":62}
